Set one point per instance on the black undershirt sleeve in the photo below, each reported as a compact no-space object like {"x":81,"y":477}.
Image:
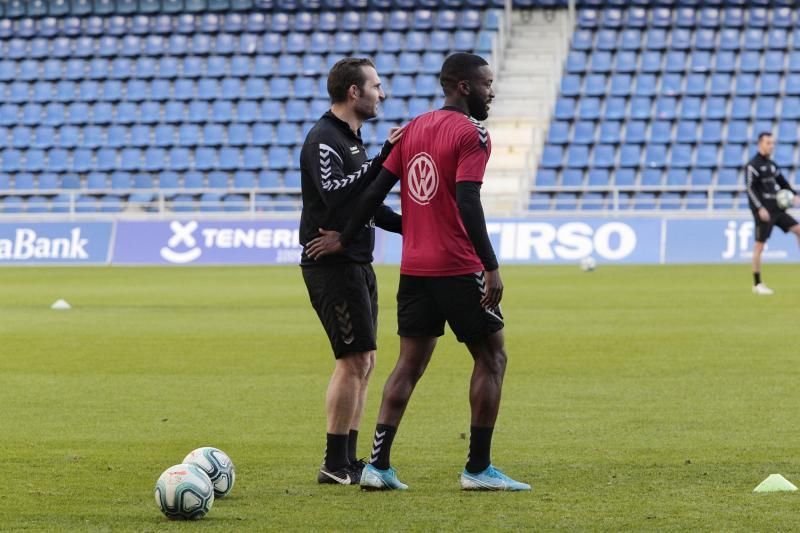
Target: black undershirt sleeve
{"x":468,"y":198}
{"x":388,"y":220}
{"x":367,"y":205}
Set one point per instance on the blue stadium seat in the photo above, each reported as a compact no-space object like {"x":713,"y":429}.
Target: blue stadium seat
{"x":610,"y":132}
{"x":692,"y":108}
{"x":583,"y":133}
{"x":111,"y":203}
{"x":415,"y":42}
{"x":577,"y":156}
{"x":545,"y":178}
{"x":589,"y":108}
{"x":650,"y":62}
{"x":733,"y":17}
{"x":711,"y":131}
{"x":757,"y":17}
{"x":765,"y":108}
{"x":702,"y":176}
{"x":741,"y":107}
{"x":725,"y":61}
{"x":218,"y":180}
{"x":572,"y":178}
{"x":167,"y":180}
{"x":13,"y":204}
{"x":706,"y":156}
{"x":655,"y":39}
{"x":571,"y":85}
{"x":645,"y":85}
{"x":179,"y":159}
{"x":769,"y":84}
{"x":262,"y":135}
{"x":733,"y":155}
{"x":614,"y":109}
{"x":787,"y":131}
{"x":24,"y":182}
{"x":21,"y":137}
{"x":601,"y":62}
{"x":557,"y":134}
{"x":44,"y":137}
{"x":576,"y":62}
{"x":720,"y":84}
{"x":695,"y":85}
{"x":753,"y":39}
{"x":121,"y":180}
{"x":583,"y":40}
{"x":728,"y":176}
{"x":620,"y":85}
{"x":552,"y":156}
{"x":686,"y":132}
{"x":595,"y":85}
{"x":782,"y":17}
{"x":606,"y":39}
{"x":604,"y":156}
{"x":598,"y":178}
{"x":630,"y":156}
{"x":440,"y":41}
{"x":784,"y":154}
{"x":630,"y":39}
{"x":750,"y":61}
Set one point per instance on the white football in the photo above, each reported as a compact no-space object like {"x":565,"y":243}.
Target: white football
{"x":217,"y":465}
{"x":785,"y":198}
{"x":588,"y":264}
{"x":184,"y":492}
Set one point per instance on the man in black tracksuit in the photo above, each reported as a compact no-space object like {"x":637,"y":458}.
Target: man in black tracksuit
{"x":343,"y":291}
{"x":764,"y":179}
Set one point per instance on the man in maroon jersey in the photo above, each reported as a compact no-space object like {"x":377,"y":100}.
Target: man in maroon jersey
{"x":448,"y":271}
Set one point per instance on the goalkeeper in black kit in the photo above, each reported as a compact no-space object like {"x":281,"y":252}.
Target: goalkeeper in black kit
{"x":764,"y":180}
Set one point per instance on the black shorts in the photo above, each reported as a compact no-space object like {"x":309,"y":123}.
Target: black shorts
{"x":425,"y":304}
{"x":782,"y":219}
{"x":345,"y":298}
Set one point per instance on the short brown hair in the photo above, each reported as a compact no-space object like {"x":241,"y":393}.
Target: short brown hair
{"x":344,"y":74}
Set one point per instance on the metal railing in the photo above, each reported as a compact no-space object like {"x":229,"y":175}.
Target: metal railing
{"x":623,"y":199}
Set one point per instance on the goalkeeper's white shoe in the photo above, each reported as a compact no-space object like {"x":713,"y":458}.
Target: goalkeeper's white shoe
{"x":762,"y":290}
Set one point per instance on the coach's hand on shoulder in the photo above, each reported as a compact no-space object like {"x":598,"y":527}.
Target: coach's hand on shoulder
{"x":395,"y":134}
{"x":763,"y":214}
{"x":327,"y":243}
{"x":494,"y":289}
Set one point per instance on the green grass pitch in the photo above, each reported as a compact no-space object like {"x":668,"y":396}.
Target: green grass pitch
{"x":637,"y":398}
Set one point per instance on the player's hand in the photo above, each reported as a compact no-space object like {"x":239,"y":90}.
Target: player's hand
{"x":395,"y":134}
{"x":494,"y":289}
{"x":797,"y":200}
{"x":763,"y":214}
{"x":327,"y":243}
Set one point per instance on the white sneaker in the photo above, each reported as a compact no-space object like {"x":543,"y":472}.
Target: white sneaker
{"x":762,"y":290}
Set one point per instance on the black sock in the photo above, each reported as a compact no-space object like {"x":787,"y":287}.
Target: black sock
{"x":336,"y":452}
{"x":756,"y":278}
{"x":382,"y":446}
{"x":352,"y":442}
{"x":480,"y":446}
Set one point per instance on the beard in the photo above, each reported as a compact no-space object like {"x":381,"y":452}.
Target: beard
{"x":366,"y":111}
{"x":477,"y":107}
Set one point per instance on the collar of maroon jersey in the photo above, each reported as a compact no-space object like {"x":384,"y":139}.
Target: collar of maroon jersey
{"x":454,"y":108}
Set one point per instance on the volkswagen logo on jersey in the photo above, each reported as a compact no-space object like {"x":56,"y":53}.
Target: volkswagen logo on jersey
{"x":423,"y":178}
